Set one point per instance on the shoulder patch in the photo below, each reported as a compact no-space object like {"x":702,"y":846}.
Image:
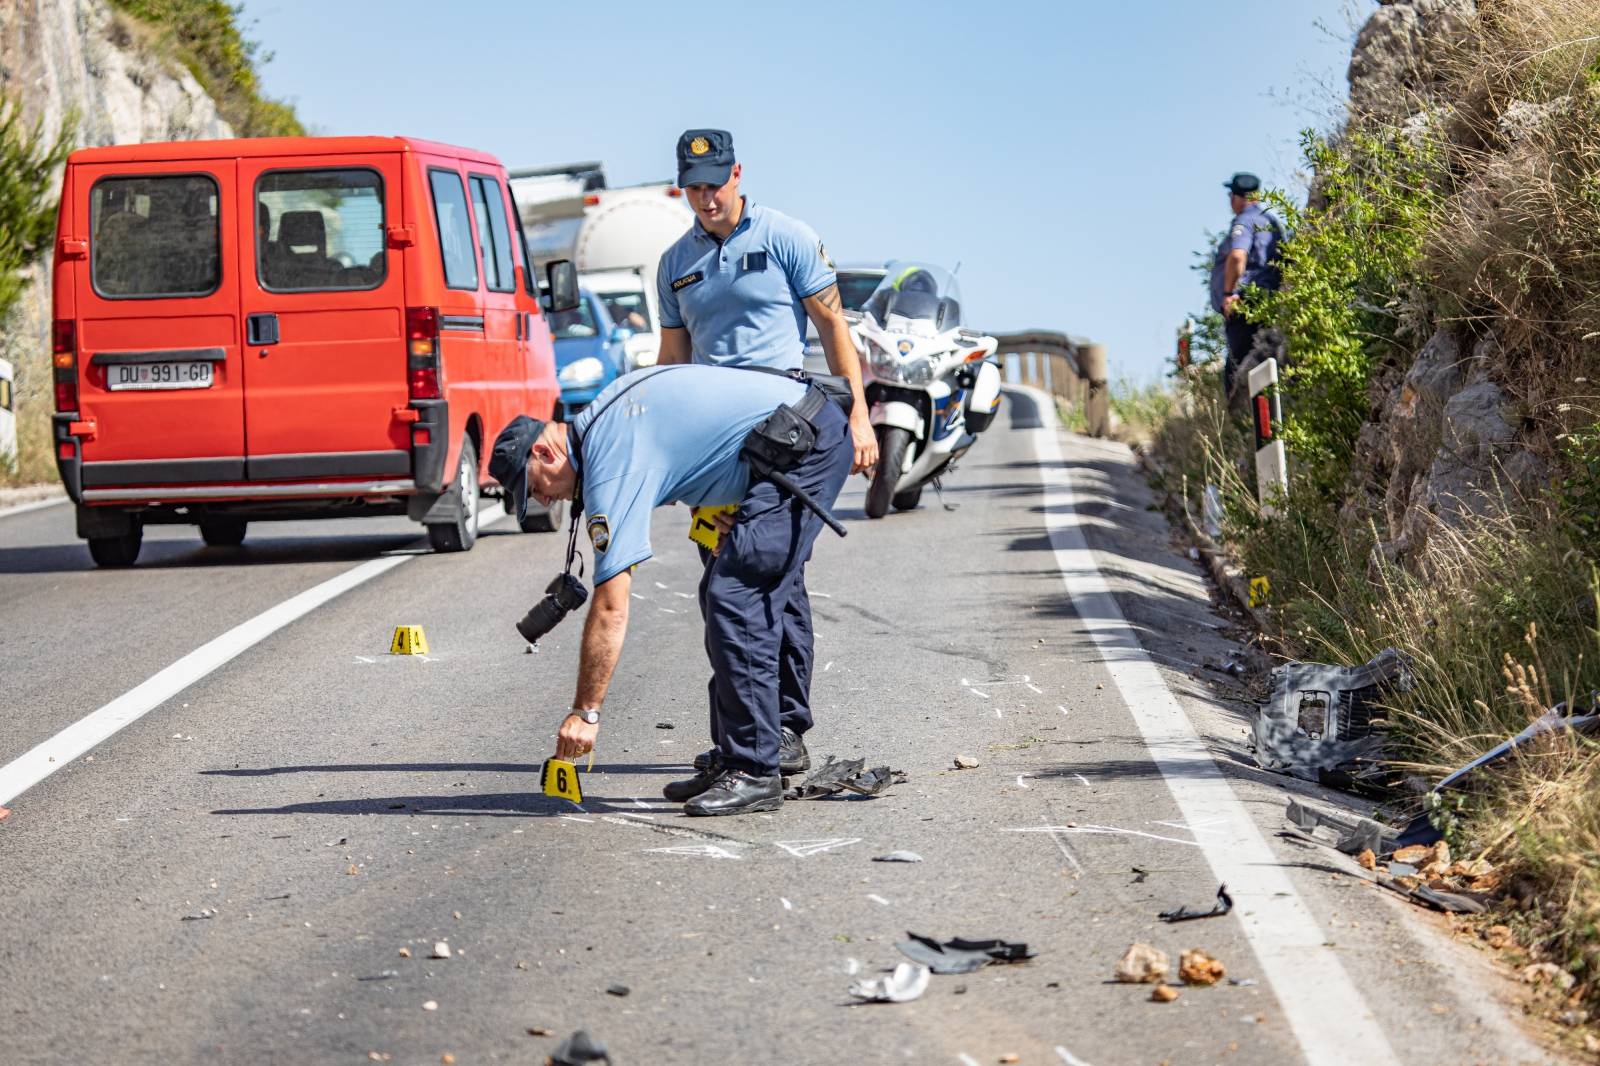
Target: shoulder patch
{"x":599,"y":533}
{"x":823,"y":252}
{"x":687,"y":280}
{"x":1238,"y":231}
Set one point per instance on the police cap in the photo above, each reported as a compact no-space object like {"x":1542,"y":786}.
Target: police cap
{"x":705,"y":157}
{"x":508,"y":461}
{"x":1242,"y":184}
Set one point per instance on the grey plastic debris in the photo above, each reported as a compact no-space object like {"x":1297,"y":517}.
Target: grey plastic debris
{"x":1320,"y":721}
{"x":204,"y":915}
{"x":580,"y":1049}
{"x":906,"y":983}
{"x":835,"y":776}
{"x":665,"y":725}
{"x":899,"y":856}
{"x":1223,"y":905}
{"x":1449,"y":902}
{"x":1352,"y":835}
{"x":618,"y":990}
{"x":959,"y":955}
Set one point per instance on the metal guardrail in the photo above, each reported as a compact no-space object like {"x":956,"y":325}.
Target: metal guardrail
{"x":1070,"y":368}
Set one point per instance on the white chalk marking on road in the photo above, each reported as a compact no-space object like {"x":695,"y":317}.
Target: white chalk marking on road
{"x":1062,"y":708}
{"x":1066,"y":852}
{"x":636,"y":596}
{"x":1101,"y":830}
{"x":975,"y":692}
{"x":705,"y":851}
{"x":637,"y":802}
{"x":786,"y":904}
{"x":1085,"y":780}
{"x":800,"y":849}
{"x":1195,"y":829}
{"x":966,"y":1060}
{"x":824,"y":595}
{"x":1035,"y":688}
{"x":37,"y":505}
{"x":33,"y":766}
{"x":1068,"y":1057}
{"x":997,"y":714}
{"x":1331,"y":1021}
{"x":659,"y":585}
{"x":683,"y":595}
{"x":828,"y":667}
{"x":668,"y":610}
{"x":575,"y":818}
{"x":364,"y":659}
{"x":874,"y":897}
{"x":1020,"y":782}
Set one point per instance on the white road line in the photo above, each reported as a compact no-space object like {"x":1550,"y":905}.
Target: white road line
{"x":1330,"y":1020}
{"x":36,"y":505}
{"x":1068,"y":1057}
{"x":31,"y":767}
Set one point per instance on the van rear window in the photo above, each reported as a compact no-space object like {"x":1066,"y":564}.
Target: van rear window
{"x":320,"y":230}
{"x":155,"y":236}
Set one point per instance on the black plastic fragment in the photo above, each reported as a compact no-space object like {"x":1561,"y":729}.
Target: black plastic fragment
{"x":1223,"y":905}
{"x":580,"y":1049}
{"x":961,"y":955}
{"x":848,"y":775}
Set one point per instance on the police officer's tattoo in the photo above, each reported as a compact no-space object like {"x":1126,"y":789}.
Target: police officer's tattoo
{"x":829,"y":298}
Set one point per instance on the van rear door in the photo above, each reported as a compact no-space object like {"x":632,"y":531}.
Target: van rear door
{"x":323,"y":330}
{"x":158,"y":325}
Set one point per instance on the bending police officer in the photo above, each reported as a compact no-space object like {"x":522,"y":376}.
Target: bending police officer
{"x":677,"y":434}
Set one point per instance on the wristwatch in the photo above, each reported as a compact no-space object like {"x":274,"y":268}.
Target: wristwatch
{"x":590,"y":717}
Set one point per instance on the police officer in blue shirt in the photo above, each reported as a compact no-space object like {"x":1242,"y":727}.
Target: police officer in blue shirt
{"x":676,"y":434}
{"x":1248,"y":255}
{"x":735,"y":290}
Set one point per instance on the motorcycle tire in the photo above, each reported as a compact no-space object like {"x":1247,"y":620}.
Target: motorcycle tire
{"x":908,"y":500}
{"x":892,"y":444}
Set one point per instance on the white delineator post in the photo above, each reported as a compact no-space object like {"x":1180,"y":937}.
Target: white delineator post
{"x":1272,"y":471}
{"x":8,"y":414}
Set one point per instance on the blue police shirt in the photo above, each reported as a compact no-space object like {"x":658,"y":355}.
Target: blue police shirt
{"x":663,"y":435}
{"x":1256,"y":233}
{"x":740,"y":299}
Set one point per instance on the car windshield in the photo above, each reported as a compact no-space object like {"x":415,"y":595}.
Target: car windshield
{"x":916,"y":294}
{"x":628,"y":310}
{"x":855,"y":288}
{"x":578,"y":322}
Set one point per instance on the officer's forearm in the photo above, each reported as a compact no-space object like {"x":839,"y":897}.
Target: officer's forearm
{"x":603,"y":630}
{"x":1233,"y":270}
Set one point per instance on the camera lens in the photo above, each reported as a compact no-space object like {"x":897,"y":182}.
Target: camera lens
{"x":563,"y":595}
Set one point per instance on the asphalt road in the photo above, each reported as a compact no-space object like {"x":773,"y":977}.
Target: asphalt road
{"x":232,"y":877}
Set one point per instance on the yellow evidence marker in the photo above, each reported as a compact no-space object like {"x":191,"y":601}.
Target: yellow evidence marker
{"x":702,"y":530}
{"x":1260,"y":589}
{"x":560,"y":778}
{"x":408,"y":640}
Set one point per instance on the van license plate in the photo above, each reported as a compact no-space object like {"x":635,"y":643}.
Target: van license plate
{"x":187,"y":375}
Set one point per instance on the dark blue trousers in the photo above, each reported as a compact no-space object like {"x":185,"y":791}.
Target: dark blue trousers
{"x":757,"y":614}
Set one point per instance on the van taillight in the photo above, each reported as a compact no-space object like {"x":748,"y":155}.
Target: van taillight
{"x":422,"y":352}
{"x":64,"y":359}
{"x":673,"y":190}
{"x":591,"y":201}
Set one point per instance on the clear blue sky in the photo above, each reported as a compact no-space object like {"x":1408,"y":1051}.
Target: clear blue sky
{"x":1069,"y":154}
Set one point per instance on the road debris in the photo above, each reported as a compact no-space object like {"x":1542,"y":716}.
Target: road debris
{"x":905,"y":984}
{"x":539,"y":1030}
{"x":665,"y":725}
{"x":1223,"y":905}
{"x":441,"y":950}
{"x":618,"y":990}
{"x":5,"y":812}
{"x":899,"y":856}
{"x":1198,"y":968}
{"x":1321,"y":723}
{"x":579,"y":1049}
{"x":960,"y":955}
{"x":1367,"y":860}
{"x":966,"y":762}
{"x":352,"y":870}
{"x":431,"y":1005}
{"x":1142,"y":964}
{"x":835,"y":776}
{"x":205,"y":914}
{"x":405,"y":953}
{"x":1163,"y":993}
{"x":1346,"y":834}
{"x":1011,"y":1057}
{"x":1540,"y":972}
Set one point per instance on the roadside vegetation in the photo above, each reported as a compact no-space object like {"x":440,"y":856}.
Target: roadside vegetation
{"x":1475,"y":213}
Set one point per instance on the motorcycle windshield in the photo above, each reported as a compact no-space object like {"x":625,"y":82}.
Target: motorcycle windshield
{"x":917,"y":297}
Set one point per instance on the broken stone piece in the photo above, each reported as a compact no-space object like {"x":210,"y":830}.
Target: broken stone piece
{"x":1367,"y":860}
{"x":539,"y":1030}
{"x":1142,"y":964}
{"x":966,"y":762}
{"x":1198,"y":968}
{"x":1498,"y":936}
{"x":441,"y":950}
{"x":1416,"y":855}
{"x":1548,"y":971}
{"x":405,"y":953}
{"x":1163,"y":993}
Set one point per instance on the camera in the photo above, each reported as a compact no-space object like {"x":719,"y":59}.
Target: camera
{"x":565,"y":593}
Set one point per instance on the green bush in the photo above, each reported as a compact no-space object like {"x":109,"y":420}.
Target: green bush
{"x":29,"y":161}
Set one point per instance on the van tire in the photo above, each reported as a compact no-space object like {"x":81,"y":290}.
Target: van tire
{"x":908,"y":500}
{"x":892,"y":445}
{"x":223,"y":532}
{"x":461,"y":534}
{"x":545,"y":519}
{"x":119,"y":551}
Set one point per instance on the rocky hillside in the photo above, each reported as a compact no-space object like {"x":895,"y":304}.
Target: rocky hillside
{"x":84,"y":60}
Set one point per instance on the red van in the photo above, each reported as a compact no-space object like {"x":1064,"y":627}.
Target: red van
{"x":284,"y":328}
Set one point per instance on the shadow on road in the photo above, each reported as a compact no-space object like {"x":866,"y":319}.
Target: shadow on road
{"x":182,"y":555}
{"x":434,"y":767}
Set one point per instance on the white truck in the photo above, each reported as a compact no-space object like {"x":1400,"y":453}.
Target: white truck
{"x":614,"y":236}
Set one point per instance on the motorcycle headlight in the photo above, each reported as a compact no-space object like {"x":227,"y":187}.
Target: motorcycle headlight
{"x":581,"y":373}
{"x":917,"y":370}
{"x":884,"y":363}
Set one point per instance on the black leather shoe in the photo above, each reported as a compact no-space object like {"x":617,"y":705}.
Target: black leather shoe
{"x":689,"y":787}
{"x":792,"y":755}
{"x":736,"y":792}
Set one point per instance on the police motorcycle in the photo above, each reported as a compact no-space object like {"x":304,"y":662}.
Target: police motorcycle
{"x":932,"y":385}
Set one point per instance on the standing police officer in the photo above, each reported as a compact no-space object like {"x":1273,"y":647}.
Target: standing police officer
{"x":676,"y":434}
{"x":735,"y":290}
{"x":1248,"y":255}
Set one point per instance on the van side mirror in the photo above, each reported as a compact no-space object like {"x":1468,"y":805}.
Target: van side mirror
{"x":561,"y":286}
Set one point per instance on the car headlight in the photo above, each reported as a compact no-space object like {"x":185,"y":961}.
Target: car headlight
{"x":582,"y":372}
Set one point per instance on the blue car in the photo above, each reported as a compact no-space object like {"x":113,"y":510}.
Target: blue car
{"x":589,"y":354}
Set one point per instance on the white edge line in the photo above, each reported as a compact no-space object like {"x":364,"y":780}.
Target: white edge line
{"x":38,"y":763}
{"x":36,"y":505}
{"x":1329,"y":1017}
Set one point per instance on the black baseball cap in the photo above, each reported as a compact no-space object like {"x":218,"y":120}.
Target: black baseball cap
{"x":508,"y":461}
{"x":705,"y":157}
{"x":1242,"y":184}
